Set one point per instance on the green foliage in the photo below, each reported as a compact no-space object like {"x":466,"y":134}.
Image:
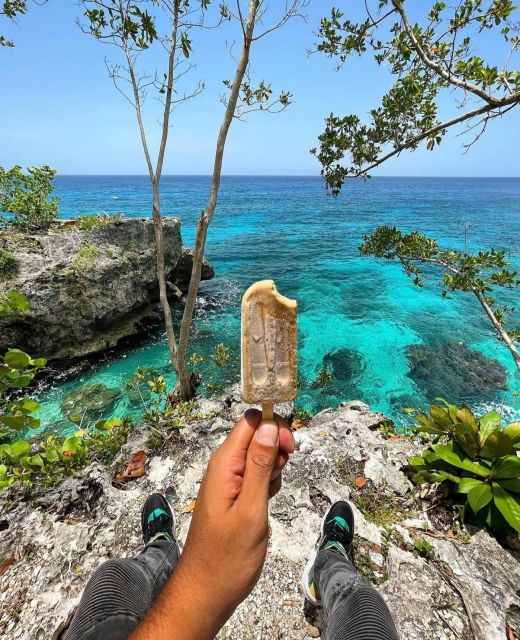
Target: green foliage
{"x":480,"y":273}
{"x":27,"y":196}
{"x":477,"y":459}
{"x":429,"y":58}
{"x":421,"y":547}
{"x":17,"y":370}
{"x":221,"y":355}
{"x":8,"y":265}
{"x":323,"y":378}
{"x":11,"y":302}
{"x":11,"y":9}
{"x":87,"y":222}
{"x":194,"y":361}
{"x":44,"y":463}
{"x":85,"y":259}
{"x":303,"y":415}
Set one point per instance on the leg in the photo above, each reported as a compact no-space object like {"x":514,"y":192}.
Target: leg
{"x":121,"y":591}
{"x":351,"y":609}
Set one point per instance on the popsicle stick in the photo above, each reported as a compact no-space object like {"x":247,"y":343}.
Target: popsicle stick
{"x":267,"y":411}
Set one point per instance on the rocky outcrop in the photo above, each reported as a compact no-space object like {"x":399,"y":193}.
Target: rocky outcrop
{"x":89,"y":289}
{"x":465,"y":587}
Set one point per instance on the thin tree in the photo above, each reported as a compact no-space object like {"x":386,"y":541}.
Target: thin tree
{"x":479,"y":274}
{"x":133,"y":29}
{"x":434,"y":57}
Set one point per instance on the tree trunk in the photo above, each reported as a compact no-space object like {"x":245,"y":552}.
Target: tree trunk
{"x":499,"y":328}
{"x":161,"y":274}
{"x":183,"y":387}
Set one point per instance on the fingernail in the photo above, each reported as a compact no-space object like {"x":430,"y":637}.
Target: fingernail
{"x":267,"y":433}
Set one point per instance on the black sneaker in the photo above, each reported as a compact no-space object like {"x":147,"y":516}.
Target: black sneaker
{"x":157,"y":519}
{"x":337,"y":534}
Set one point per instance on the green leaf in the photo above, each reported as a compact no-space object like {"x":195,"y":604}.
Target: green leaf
{"x":441,"y":417}
{"x":14,"y":422}
{"x":448,"y":453}
{"x":3,"y":471}
{"x":464,"y":414}
{"x":496,"y":446}
{"x":51,"y":454}
{"x":452,"y":409}
{"x":71,"y":444}
{"x":508,"y":505}
{"x":508,"y":467}
{"x":20,"y":448}
{"x":416,"y":461}
{"x":466,"y":436}
{"x":466,"y":484}
{"x":479,"y":496}
{"x":17,"y":359}
{"x":30,"y":405}
{"x":510,"y":485}
{"x":513,"y":431}
{"x":38,"y":362}
{"x":36,"y":460}
{"x":488,"y":424}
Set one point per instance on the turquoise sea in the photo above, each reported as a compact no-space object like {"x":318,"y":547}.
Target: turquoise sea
{"x":385,"y":341}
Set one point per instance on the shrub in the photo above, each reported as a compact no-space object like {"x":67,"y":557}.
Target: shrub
{"x":477,"y":459}
{"x":86,"y":258}
{"x":303,"y":415}
{"x":12,"y":301}
{"x":8,"y":265}
{"x":26,"y":196}
{"x":46,"y":462}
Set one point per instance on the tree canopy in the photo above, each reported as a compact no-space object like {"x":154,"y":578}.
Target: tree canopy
{"x":430,"y":55}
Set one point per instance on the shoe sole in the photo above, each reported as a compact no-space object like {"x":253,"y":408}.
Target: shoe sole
{"x":310,"y":564}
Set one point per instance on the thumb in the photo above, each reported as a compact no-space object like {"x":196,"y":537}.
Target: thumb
{"x":261,"y":458}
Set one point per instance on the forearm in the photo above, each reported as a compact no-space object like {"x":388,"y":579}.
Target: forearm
{"x":183,"y":611}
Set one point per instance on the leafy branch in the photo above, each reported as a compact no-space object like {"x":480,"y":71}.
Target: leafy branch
{"x":427,"y":59}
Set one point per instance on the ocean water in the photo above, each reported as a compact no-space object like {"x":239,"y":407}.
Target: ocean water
{"x":361,"y":317}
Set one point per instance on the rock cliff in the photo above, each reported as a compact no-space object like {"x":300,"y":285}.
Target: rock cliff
{"x":88,"y":289}
{"x":466,"y":586}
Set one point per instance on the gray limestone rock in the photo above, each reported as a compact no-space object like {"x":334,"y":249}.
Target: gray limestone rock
{"x":462,"y":590}
{"x":89,"y":289}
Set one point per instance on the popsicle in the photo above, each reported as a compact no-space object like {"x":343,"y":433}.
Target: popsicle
{"x":269,"y":347}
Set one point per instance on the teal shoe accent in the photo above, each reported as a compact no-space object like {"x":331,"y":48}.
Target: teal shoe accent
{"x":156,"y":513}
{"x":341,"y":521}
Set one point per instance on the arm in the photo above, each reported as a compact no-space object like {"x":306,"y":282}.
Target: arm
{"x":227,"y":541}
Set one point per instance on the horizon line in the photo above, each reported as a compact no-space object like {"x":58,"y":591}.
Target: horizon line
{"x":275,"y":175}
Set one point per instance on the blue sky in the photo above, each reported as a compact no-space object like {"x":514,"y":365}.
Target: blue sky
{"x":59,"y":107}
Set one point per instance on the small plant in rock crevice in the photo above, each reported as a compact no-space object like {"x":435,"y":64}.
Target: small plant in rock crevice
{"x":478,"y":461}
{"x":323,"y":379}
{"x":8,"y":265}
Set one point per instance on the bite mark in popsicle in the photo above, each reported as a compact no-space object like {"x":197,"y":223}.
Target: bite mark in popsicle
{"x":269,"y":347}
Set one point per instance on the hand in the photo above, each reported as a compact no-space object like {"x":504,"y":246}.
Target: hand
{"x":227,"y":541}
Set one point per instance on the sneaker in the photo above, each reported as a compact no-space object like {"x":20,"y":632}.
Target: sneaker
{"x":337,"y":534}
{"x":157,"y":519}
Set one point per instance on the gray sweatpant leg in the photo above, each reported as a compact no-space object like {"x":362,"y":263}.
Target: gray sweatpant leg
{"x":351,"y":609}
{"x":120,"y":593}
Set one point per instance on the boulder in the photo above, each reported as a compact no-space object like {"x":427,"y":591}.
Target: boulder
{"x":91,"y":400}
{"x":88,"y":289}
